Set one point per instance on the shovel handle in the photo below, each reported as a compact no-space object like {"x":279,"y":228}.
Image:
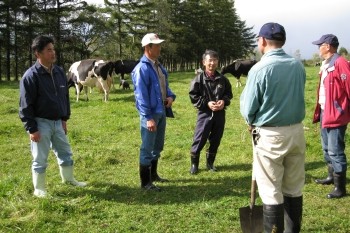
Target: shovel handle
{"x":253,"y":193}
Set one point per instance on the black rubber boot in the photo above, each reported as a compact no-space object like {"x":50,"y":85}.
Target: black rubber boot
{"x":194,"y":164}
{"x":210,"y":161}
{"x":154,"y":174}
{"x":145,"y":176}
{"x":339,"y":186}
{"x":273,"y":218}
{"x":293,"y":211}
{"x":329,"y":178}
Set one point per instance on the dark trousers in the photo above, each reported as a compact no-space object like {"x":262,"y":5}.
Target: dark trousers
{"x":210,"y":126}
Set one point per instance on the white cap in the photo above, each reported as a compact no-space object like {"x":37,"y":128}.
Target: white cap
{"x":150,"y":38}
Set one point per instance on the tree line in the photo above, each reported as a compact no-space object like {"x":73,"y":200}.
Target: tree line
{"x":114,"y":30}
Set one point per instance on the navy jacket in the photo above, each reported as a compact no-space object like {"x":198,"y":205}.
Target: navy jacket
{"x":43,"y":95}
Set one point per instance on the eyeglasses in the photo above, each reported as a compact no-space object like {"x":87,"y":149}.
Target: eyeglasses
{"x":214,"y":60}
{"x":321,"y":45}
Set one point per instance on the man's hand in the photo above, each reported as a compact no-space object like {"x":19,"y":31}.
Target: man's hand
{"x":64,"y":125}
{"x":169,"y":101}
{"x":216,"y":106}
{"x":151,"y":125}
{"x":35,"y":137}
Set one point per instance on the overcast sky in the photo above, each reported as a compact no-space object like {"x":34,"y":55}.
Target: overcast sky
{"x":304,"y":20}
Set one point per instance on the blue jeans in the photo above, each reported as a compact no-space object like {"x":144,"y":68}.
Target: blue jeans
{"x":52,"y":137}
{"x":333,"y":145}
{"x":152,"y":142}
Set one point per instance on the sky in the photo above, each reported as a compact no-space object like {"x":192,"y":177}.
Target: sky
{"x":304,"y":20}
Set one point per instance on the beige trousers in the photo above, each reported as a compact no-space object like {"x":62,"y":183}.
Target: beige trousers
{"x":279,"y":162}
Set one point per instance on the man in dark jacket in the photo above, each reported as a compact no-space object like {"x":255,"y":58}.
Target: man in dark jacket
{"x":210,"y":93}
{"x":44,"y":109}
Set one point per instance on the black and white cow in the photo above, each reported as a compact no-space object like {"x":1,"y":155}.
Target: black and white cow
{"x":91,"y":73}
{"x":237,"y":68}
{"x":124,"y":67}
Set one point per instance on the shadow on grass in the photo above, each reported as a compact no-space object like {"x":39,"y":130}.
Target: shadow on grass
{"x":183,"y":191}
{"x":187,"y":189}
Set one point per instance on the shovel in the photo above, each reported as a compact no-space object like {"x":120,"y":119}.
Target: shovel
{"x":251,"y":217}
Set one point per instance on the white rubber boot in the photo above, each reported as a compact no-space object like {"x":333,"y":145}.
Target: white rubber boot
{"x":68,"y":178}
{"x":39,"y":184}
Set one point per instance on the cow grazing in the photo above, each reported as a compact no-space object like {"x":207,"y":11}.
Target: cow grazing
{"x":237,"y":68}
{"x":91,"y":73}
{"x":124,"y":67}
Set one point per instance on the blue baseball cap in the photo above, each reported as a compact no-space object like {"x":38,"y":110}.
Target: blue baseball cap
{"x":273,"y":31}
{"x":327,"y":39}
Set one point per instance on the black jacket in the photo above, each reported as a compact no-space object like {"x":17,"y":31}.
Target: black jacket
{"x":204,"y":89}
{"x":43,"y":95}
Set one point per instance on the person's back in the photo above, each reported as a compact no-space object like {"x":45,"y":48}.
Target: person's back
{"x":282,"y":79}
{"x":273,"y":106}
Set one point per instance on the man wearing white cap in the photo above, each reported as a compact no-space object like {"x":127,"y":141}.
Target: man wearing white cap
{"x":153,"y":98}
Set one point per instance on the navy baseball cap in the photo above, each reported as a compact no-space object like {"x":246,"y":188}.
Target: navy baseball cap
{"x":327,"y":39}
{"x":273,"y":31}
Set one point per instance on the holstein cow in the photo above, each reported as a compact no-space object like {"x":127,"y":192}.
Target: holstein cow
{"x":237,"y":68}
{"x":123,"y":67}
{"x":91,"y":73}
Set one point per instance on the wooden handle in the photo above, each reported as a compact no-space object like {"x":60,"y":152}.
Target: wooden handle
{"x":253,"y":193}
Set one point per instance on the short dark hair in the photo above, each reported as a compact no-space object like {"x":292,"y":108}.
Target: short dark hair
{"x":40,"y":42}
{"x":211,"y":53}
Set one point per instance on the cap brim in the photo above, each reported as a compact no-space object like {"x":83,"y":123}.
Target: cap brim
{"x":157,"y":41}
{"x":317,"y":42}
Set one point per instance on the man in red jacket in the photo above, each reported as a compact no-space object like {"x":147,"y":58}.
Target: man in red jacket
{"x":333,"y":112}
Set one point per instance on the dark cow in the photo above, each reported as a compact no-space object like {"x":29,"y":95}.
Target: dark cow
{"x":91,"y":73}
{"x":124,"y":67}
{"x":237,"y":68}
{"x":125,"y":84}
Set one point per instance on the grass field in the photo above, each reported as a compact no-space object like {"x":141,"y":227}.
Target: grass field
{"x":105,"y":141}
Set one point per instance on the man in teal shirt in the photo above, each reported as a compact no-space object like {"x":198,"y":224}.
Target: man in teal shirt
{"x":272,"y":103}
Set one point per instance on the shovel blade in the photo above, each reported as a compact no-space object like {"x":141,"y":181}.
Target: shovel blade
{"x":251,"y":219}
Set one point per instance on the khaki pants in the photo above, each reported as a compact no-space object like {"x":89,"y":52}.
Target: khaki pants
{"x":279,"y":162}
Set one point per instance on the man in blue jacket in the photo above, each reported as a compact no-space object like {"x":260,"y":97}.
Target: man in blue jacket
{"x":153,"y":96}
{"x":44,"y":109}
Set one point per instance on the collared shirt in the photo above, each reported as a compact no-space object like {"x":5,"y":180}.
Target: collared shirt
{"x":209,"y":75}
{"x":274,"y":92}
{"x":323,"y":72}
{"x":161,"y":77}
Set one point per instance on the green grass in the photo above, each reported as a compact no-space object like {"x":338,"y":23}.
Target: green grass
{"x":105,"y":140}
